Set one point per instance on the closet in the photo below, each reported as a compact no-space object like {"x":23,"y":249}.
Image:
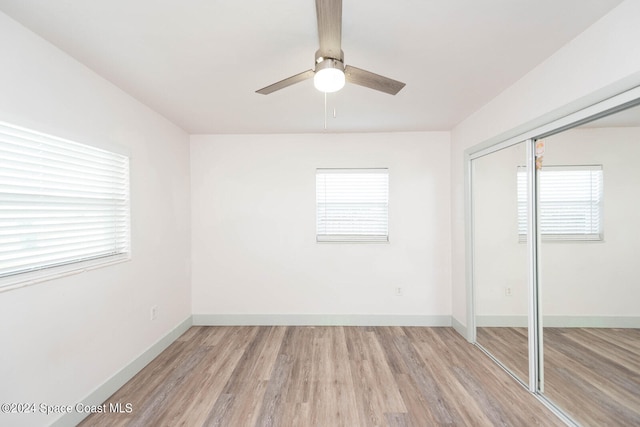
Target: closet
{"x":553,"y":220}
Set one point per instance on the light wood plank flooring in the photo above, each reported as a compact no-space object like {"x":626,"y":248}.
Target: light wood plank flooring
{"x":323,"y":376}
{"x":510,"y":346}
{"x":592,"y":373}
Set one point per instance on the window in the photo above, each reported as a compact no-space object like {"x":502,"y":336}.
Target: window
{"x":60,"y":203}
{"x":570,"y":203}
{"x":352,"y":205}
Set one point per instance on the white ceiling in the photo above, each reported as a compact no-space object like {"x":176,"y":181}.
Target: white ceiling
{"x":199,"y":62}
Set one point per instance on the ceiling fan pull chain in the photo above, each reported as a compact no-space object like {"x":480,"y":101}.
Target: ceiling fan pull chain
{"x":325,"y":110}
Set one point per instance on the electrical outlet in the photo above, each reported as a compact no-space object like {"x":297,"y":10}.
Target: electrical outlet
{"x":399,"y":291}
{"x":507,"y":292}
{"x":154,"y":312}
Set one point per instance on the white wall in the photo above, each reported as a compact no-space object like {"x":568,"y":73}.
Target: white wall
{"x":62,"y":339}
{"x":600,"y":278}
{"x":596,"y":279}
{"x":602,"y":57}
{"x":253,"y":228}
{"x":500,"y":262}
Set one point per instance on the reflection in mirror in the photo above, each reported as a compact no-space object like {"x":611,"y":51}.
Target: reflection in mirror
{"x":590,"y":291}
{"x":499,"y":260}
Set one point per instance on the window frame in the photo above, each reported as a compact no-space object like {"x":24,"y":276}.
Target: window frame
{"x":85,"y":262}
{"x":354,"y":237}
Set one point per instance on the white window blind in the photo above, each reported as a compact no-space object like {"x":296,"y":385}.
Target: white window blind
{"x":61,"y":202}
{"x":352,"y":205}
{"x":570,"y":200}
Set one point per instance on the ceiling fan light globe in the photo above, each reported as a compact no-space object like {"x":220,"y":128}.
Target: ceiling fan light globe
{"x":329,"y":80}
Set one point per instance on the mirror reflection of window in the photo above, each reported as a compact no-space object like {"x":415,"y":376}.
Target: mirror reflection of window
{"x":570,"y":201}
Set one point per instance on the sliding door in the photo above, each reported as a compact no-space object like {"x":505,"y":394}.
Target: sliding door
{"x":589,"y":286}
{"x":554,"y":231}
{"x":500,"y":258}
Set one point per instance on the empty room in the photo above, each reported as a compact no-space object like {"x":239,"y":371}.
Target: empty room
{"x":319,"y":213}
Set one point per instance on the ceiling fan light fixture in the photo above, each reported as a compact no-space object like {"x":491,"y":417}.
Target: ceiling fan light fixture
{"x":329,"y":76}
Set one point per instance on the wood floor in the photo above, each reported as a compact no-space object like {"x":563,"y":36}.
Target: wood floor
{"x":323,"y":376}
{"x":592,"y":373}
{"x":510,"y":346}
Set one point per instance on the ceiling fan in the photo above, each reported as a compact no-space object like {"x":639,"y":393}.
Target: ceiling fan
{"x":330,"y":73}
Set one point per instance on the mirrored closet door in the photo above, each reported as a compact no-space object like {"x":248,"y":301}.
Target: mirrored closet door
{"x":500,"y":259}
{"x":554,"y":246}
{"x":589,"y":216}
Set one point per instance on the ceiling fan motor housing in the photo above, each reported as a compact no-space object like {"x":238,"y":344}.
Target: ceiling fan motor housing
{"x":321,"y":57}
{"x":330,"y":63}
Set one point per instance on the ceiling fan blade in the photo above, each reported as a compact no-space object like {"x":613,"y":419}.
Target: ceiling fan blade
{"x":286,"y":82}
{"x":329,"y":13}
{"x":372,"y":80}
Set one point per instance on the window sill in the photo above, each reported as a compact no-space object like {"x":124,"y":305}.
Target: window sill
{"x":22,"y":280}
{"x":566,"y":238}
{"x":352,"y":239}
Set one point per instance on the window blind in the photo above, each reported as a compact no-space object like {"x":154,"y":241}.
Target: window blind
{"x":570,"y":200}
{"x":352,"y":205}
{"x":61,"y":202}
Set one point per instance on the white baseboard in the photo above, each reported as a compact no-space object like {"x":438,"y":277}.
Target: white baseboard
{"x":591,"y":321}
{"x":104,"y":391}
{"x":459,"y":328}
{"x":502,"y":321}
{"x":319,"y":320}
{"x":561,"y":321}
